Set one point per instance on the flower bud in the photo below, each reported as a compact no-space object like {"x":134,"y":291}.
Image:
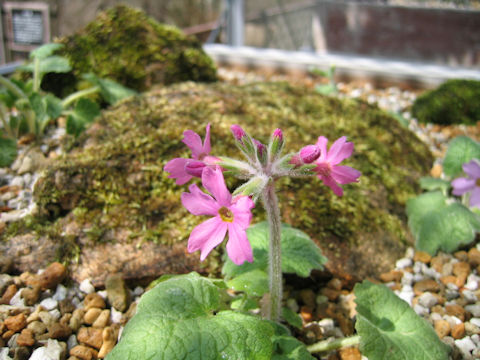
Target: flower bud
{"x":238,"y":132}
{"x":194,"y":168}
{"x":278,"y":134}
{"x":261,"y":152}
{"x":309,"y":153}
{"x":275,"y":146}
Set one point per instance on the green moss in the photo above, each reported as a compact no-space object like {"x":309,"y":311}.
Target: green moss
{"x":127,"y":46}
{"x":453,"y":102}
{"x":117,"y":180}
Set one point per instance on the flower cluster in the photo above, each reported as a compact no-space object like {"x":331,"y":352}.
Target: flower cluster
{"x":264,"y":164}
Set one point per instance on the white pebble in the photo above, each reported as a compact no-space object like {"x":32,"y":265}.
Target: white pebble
{"x":55,"y":314}
{"x":476,"y":339}
{"x":427,"y":300}
{"x":452,"y":320}
{"x":421,"y":310}
{"x":115,"y":315}
{"x":86,"y":287}
{"x":49,"y":303}
{"x":431,"y":273}
{"x":138,"y":291}
{"x":17,"y":300}
{"x":17,"y":181}
{"x":327,"y":325}
{"x":102,"y":293}
{"x":76,"y":302}
{"x":406,"y":295}
{"x":474,"y":309}
{"x":52,"y":351}
{"x":469,"y":296}
{"x":465,"y":345}
{"x":4,"y":353}
{"x":403,"y":263}
{"x":475,"y":321}
{"x":472,"y":282}
{"x":407,"y":278}
{"x":60,"y":293}
{"x":435,"y":316}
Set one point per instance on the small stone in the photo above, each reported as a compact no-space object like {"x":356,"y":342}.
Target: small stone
{"x":5,"y":281}
{"x":461,"y":269}
{"x":59,"y":331}
{"x":458,"y":331}
{"x":475,"y":321}
{"x":306,"y":313}
{"x":426,"y":285}
{"x":49,"y":304}
{"x":66,"y":306}
{"x":393,"y":275}
{"x":407,"y":278}
{"x":46,"y":318}
{"x":465,"y":345}
{"x":26,"y":338}
{"x":109,"y":340}
{"x":308,"y":297}
{"x":6,"y":262}
{"x":37,"y":327}
{"x":60,"y":293}
{"x":93,"y":300}
{"x":427,"y":300}
{"x":16,"y":323}
{"x":84,"y":352}
{"x":53,"y":351}
{"x":8,"y":294}
{"x":469,"y":296}
{"x":350,"y":353}
{"x":17,"y":301}
{"x":327,"y":326}
{"x":291,"y":304}
{"x":455,"y":310}
{"x":90,"y":336}
{"x":406,"y":295}
{"x":31,"y":295}
{"x":91,"y":315}
{"x":21,"y":353}
{"x":474,"y":309}
{"x":74,"y":323}
{"x":102,"y":320}
{"x":86,"y":287}
{"x":472,"y":282}
{"x":421,"y":310}
{"x":8,"y":334}
{"x":471,"y":329}
{"x":51,"y":277}
{"x":461,"y":255}
{"x":331,"y":294}
{"x":403,"y":263}
{"x":117,"y":292}
{"x":474,"y":257}
{"x":422,"y":257}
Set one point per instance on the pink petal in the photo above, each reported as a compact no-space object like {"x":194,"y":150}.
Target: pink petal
{"x":176,"y":168}
{"x":213,"y":181}
{"x":238,"y":246}
{"x":241,"y":209}
{"x":322,"y":144}
{"x":475,"y":197}
{"x":206,"y":142}
{"x":340,"y":150}
{"x":345,"y":174}
{"x":309,"y":153}
{"x":199,"y":203}
{"x":462,"y":185}
{"x":206,"y":236}
{"x":194,"y":168}
{"x":194,"y":142}
{"x":331,"y":183}
{"x":472,"y":169}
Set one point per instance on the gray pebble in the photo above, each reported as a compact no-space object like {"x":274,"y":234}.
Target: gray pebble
{"x":72,"y":341}
{"x":469,"y":296}
{"x":427,"y":300}
{"x":465,"y":345}
{"x":60,"y":293}
{"x":451,"y":294}
{"x":49,"y":303}
{"x":17,"y":181}
{"x":475,"y":321}
{"x":421,"y":310}
{"x":474,"y":309}
{"x":407,"y":278}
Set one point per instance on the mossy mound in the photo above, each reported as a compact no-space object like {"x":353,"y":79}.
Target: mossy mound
{"x":127,"y":46}
{"x":115,"y":180}
{"x":453,"y":102}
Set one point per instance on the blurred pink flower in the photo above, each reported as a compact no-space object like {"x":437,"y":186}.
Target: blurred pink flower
{"x":328,"y":169}
{"x":469,"y":184}
{"x":183,"y":169}
{"x":229,"y":215}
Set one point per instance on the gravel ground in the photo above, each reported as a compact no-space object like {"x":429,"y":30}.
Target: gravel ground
{"x":46,"y":316}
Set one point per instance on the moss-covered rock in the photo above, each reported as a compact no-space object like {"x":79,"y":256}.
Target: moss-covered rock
{"x":127,"y":46}
{"x":453,"y":102}
{"x":113,"y":188}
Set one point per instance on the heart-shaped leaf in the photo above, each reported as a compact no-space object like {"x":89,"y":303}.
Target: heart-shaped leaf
{"x":8,"y":151}
{"x":177,"y":320}
{"x":300,"y":255}
{"x":390,"y":329}
{"x":461,"y":150}
{"x":431,"y":184}
{"x":110,"y":90}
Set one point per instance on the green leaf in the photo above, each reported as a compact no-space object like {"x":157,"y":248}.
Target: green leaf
{"x":289,"y":348}
{"x":110,"y":90}
{"x":253,"y":283}
{"x":177,"y":320}
{"x":84,"y":113}
{"x":447,"y":228}
{"x":8,"y":151}
{"x":430,"y":184}
{"x":326,"y":89}
{"x":45,"y":50}
{"x":52,"y":64}
{"x":300,"y":255}
{"x":390,"y":329}
{"x":292,"y":317}
{"x":461,"y":150}
{"x":422,"y":205}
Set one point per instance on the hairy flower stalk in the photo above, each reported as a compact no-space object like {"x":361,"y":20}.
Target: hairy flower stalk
{"x":270,"y":203}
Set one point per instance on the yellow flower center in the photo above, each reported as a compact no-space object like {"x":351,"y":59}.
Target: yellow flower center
{"x":225,"y":214}
{"x":477,"y":182}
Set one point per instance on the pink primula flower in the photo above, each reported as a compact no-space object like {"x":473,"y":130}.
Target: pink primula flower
{"x":184,"y":169}
{"x":228,"y":215}
{"x":469,"y":184}
{"x":328,"y":169}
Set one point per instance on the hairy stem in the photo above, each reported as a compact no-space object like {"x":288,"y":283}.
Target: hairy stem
{"x":328,"y":345}
{"x":275,"y":254}
{"x":79,"y":94}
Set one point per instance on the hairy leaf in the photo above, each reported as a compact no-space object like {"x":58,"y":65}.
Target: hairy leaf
{"x":461,"y":150}
{"x":8,"y":151}
{"x":422,"y":205}
{"x":110,"y":90}
{"x":390,"y":329}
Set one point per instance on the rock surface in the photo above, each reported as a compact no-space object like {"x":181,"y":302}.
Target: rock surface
{"x":116,"y":209}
